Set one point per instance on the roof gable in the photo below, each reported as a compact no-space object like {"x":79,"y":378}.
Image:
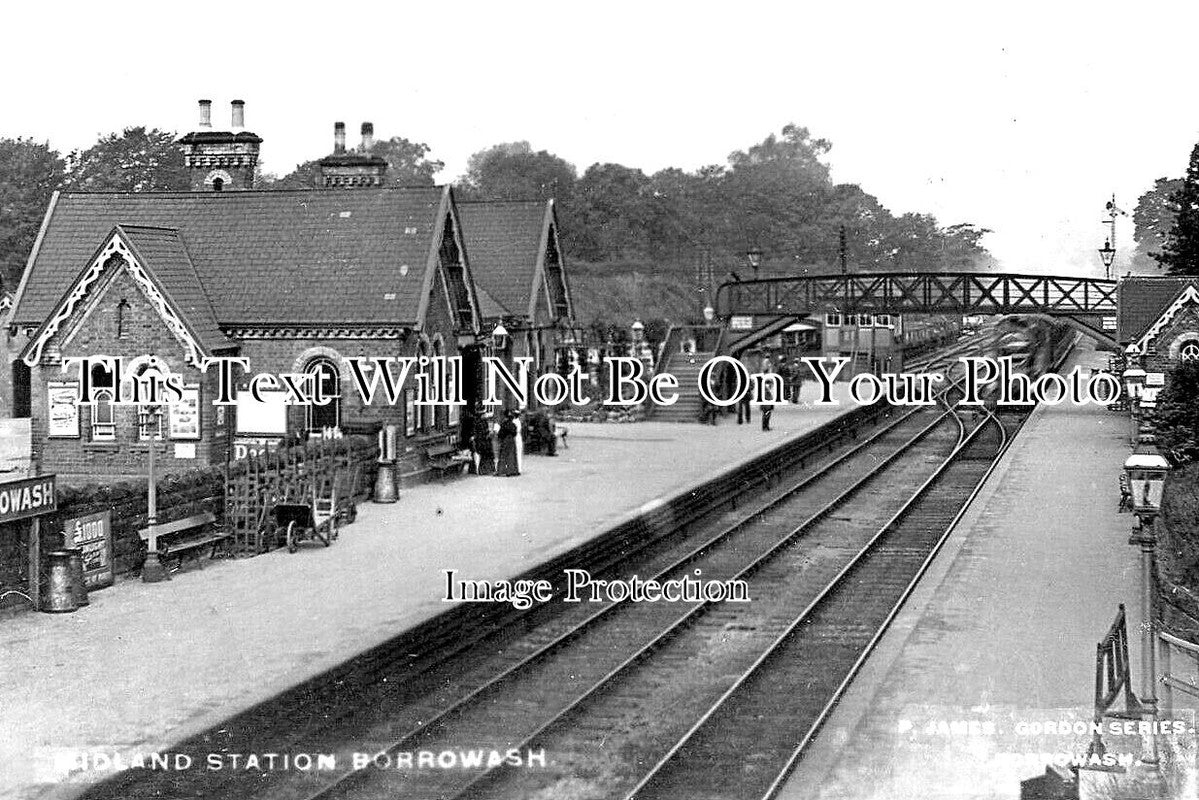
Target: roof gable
{"x":261,"y":257}
{"x":1141,"y":300}
{"x":198,"y":335}
{"x":506,"y":245}
{"x":1189,"y":295}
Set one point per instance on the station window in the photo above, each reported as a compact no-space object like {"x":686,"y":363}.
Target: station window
{"x":832,"y":319}
{"x":1189,"y":351}
{"x":104,"y":426}
{"x":329,"y":379}
{"x":851,"y":319}
{"x":883,"y":320}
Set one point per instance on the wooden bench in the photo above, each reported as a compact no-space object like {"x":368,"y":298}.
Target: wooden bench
{"x":445,"y":458}
{"x":189,"y":535}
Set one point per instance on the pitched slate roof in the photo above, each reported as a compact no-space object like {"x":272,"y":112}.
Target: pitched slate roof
{"x":261,"y":257}
{"x":1142,"y":299}
{"x":504,"y":242}
{"x":162,"y":253}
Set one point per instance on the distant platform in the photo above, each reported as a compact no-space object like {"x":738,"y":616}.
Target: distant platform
{"x":1000,"y":636}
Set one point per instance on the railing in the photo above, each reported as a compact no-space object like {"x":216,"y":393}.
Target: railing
{"x":896,"y":293}
{"x":1167,"y":644}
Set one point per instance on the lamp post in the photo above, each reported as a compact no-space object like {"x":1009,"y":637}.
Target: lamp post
{"x":1107,"y":254}
{"x":637,"y":331}
{"x":1134,"y":385}
{"x":1146,"y":469}
{"x":152,"y":571}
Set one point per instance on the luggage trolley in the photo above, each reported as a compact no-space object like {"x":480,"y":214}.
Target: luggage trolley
{"x":316,"y":520}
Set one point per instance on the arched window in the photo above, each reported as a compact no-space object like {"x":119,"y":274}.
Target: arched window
{"x":104,"y":427}
{"x":1189,"y":351}
{"x":218,"y":184}
{"x":328,"y":381}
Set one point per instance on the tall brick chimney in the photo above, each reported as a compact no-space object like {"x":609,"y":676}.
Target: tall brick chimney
{"x":352,"y":169}
{"x":221,"y":160}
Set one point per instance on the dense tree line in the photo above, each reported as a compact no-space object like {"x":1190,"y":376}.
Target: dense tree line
{"x":776,"y":196}
{"x":1167,"y":223}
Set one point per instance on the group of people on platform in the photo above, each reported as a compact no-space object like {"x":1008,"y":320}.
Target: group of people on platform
{"x":497,"y":447}
{"x":790,"y":371}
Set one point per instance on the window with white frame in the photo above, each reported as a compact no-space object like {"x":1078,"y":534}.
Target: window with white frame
{"x":832,"y":319}
{"x":1189,"y":351}
{"x":104,"y":425}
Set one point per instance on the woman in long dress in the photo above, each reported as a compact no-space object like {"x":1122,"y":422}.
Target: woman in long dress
{"x":484,"y":453}
{"x":507,"y":465}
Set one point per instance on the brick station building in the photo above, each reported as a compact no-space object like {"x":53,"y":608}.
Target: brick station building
{"x":294,"y":281}
{"x":1158,"y":327}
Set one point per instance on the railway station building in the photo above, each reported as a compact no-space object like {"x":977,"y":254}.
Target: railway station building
{"x":293,"y":281}
{"x":1157,"y":328}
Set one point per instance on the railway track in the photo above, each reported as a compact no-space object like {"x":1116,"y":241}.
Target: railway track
{"x":559,"y":669}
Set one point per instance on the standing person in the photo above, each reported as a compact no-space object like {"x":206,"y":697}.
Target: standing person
{"x":507,"y":465}
{"x":767,"y":407}
{"x":796,"y":385}
{"x":484,"y":453}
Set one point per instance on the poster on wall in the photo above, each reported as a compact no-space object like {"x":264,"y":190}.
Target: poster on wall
{"x":64,"y":413}
{"x":266,"y":418}
{"x":93,"y":535}
{"x":185,"y":415}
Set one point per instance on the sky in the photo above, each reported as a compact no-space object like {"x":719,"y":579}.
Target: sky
{"x":1021,"y":117}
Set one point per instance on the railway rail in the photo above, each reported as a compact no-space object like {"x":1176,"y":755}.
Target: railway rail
{"x":533,"y":678}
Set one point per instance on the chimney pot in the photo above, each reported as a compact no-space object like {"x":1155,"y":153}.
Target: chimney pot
{"x":368,"y":136}
{"x":339,"y":137}
{"x":239,"y":114}
{"x":205,"y":113}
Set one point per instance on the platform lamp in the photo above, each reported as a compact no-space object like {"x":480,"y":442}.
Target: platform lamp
{"x":1108,"y":254}
{"x":1134,"y":385}
{"x":499,"y":337}
{"x":637,"y":334}
{"x":754,"y":256}
{"x":1146,"y":470}
{"x":149,"y":419}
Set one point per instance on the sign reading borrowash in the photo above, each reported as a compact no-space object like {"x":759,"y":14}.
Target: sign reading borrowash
{"x":27,"y":498}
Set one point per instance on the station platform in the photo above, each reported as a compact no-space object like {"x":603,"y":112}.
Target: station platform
{"x":995,"y":651}
{"x":146,"y":665}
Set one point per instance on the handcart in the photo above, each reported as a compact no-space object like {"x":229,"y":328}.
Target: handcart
{"x":312,"y":521}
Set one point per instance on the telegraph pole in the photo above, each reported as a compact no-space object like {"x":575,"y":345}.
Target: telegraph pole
{"x":844,"y":263}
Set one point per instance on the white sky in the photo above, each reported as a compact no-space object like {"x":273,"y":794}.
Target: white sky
{"x":1024,"y":117}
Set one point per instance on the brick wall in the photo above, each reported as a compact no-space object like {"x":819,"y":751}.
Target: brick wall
{"x":93,"y":330}
{"x":1184,"y":326}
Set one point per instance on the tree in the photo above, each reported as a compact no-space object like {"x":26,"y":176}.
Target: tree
{"x":408,"y":163}
{"x":136,"y":160}
{"x":1153,"y":218}
{"x":1180,"y":253}
{"x":513,"y":171}
{"x":1178,"y":414}
{"x":29,"y":174}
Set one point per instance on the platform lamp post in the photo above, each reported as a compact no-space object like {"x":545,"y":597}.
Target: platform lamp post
{"x":1107,"y":254}
{"x":1146,"y":469}
{"x":149,"y":418}
{"x":1134,"y":385}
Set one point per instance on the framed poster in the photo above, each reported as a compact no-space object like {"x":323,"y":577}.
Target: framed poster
{"x":268,"y":418}
{"x":185,"y":415}
{"x":93,"y":535}
{"x":64,"y":411}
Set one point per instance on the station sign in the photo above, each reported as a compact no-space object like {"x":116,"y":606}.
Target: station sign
{"x":252,"y":447}
{"x":27,"y":497}
{"x":1109,"y":323}
{"x":741,"y":322}
{"x":1155,"y":379}
{"x":93,"y":535}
